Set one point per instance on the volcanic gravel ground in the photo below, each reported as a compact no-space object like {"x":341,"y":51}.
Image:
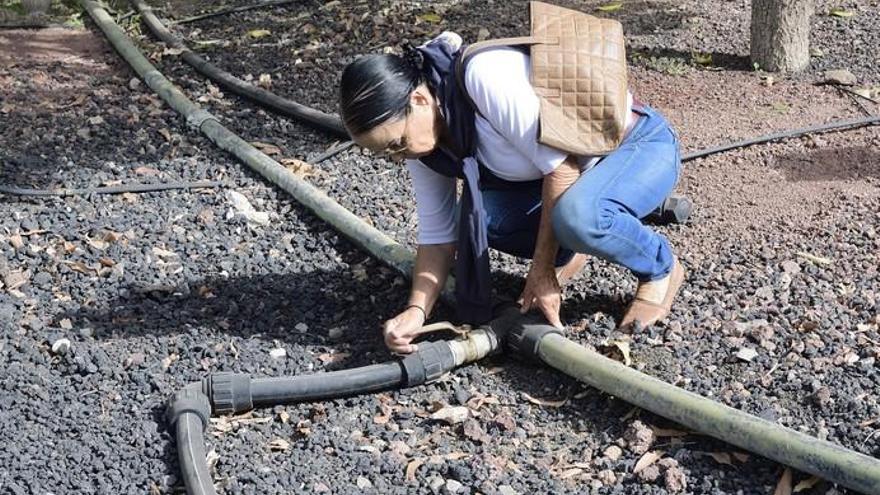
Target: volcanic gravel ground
{"x":309,"y":44}
{"x":155,"y":290}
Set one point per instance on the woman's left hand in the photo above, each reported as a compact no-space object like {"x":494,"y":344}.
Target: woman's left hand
{"x":542,"y":292}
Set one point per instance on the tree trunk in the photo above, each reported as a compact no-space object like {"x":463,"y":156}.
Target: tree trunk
{"x":781,"y":34}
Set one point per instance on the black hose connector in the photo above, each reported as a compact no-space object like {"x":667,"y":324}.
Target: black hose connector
{"x":525,"y":338}
{"x":189,"y":399}
{"x":229,"y":393}
{"x":430,"y":362}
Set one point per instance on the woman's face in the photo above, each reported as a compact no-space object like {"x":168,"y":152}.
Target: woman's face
{"x":412,"y":136}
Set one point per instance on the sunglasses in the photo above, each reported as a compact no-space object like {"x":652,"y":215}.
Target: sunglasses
{"x":397,"y":147}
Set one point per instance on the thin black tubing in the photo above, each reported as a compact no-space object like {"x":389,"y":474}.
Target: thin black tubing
{"x":833,"y":126}
{"x":192,"y":455}
{"x":330,"y":385}
{"x":332,"y":152}
{"x":325,"y":121}
{"x":234,"y":10}
{"x":130,"y":188}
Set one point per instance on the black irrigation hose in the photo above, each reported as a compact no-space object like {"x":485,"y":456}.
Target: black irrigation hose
{"x":234,"y":10}
{"x":129,"y":188}
{"x":330,"y":385}
{"x":833,"y":126}
{"x":324,"y":121}
{"x":332,"y":152}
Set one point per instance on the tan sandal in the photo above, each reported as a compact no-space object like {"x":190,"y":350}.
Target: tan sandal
{"x":653,"y":299}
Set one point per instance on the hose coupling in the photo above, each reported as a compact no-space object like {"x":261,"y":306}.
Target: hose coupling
{"x":525,"y":337}
{"x":430,"y":362}
{"x":189,"y":399}
{"x":229,"y":393}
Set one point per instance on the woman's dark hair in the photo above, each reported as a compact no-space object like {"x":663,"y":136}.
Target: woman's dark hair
{"x":376,"y":88}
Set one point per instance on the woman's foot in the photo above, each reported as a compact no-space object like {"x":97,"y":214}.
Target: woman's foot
{"x":566,"y":272}
{"x":653,"y":299}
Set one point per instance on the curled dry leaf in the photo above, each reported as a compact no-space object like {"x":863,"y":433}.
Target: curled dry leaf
{"x":807,"y":484}
{"x":269,"y":149}
{"x":610,"y":7}
{"x":646,"y":460}
{"x":412,"y":467}
{"x":545,"y":402}
{"x":333,"y":357}
{"x":298,"y":167}
{"x":783,"y":487}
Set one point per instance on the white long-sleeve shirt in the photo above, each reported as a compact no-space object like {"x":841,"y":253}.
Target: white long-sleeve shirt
{"x":497,"y":81}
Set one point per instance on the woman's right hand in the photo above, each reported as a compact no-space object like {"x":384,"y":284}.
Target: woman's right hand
{"x":402,"y":329}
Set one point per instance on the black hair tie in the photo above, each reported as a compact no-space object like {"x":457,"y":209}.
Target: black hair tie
{"x":413,"y":56}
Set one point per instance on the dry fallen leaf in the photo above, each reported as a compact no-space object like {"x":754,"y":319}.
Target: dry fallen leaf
{"x":16,"y":241}
{"x":412,"y":467}
{"x":646,"y":460}
{"x":813,"y":258}
{"x":623,"y":347}
{"x":746,"y":354}
{"x":545,"y":402}
{"x":741,"y":457}
{"x":452,"y":414}
{"x":783,"y":487}
{"x":98,"y":244}
{"x":169,"y":360}
{"x":269,"y":149}
{"x":806,"y":484}
{"x":146,"y":171}
{"x":333,"y":357}
{"x":840,"y":12}
{"x":610,"y":7}
{"x":668,"y":432}
{"x":259,"y":33}
{"x":430,"y":17}
{"x":298,"y":167}
{"x":79,"y":266}
{"x":721,"y":458}
{"x":569,"y":473}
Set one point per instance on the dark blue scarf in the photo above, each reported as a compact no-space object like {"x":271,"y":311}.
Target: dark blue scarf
{"x":473,"y":279}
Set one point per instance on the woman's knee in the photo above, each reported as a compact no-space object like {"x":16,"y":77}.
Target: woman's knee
{"x":583,"y":225}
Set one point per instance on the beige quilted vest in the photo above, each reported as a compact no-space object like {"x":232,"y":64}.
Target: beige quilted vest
{"x":579,"y":74}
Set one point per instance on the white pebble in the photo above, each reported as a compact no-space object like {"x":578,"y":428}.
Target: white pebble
{"x":278,"y":353}
{"x":61,"y":346}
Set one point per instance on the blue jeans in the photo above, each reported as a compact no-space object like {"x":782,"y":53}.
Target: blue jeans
{"x":600,"y":213}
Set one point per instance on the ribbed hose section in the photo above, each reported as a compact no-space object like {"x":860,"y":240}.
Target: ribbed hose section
{"x":330,"y":385}
{"x":324,"y":121}
{"x":192,"y":455}
{"x":784,"y":445}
